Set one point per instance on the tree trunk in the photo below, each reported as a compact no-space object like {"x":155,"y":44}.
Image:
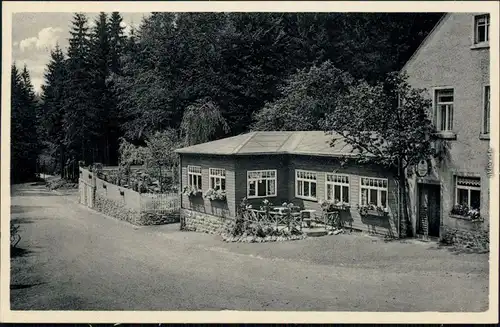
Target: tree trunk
{"x":405,"y":229}
{"x":61,"y":158}
{"x":107,"y":154}
{"x":161,"y":182}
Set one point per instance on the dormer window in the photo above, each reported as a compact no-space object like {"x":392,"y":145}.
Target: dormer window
{"x":481,"y":29}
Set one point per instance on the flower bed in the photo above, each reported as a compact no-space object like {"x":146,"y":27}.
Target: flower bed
{"x":257,"y":239}
{"x":257,"y":226}
{"x":138,"y":180}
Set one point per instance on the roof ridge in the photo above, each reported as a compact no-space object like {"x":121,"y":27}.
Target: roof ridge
{"x":283,"y":144}
{"x":298,"y":138}
{"x":238,"y":148}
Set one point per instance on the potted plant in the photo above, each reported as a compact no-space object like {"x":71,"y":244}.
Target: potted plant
{"x":266,"y":205}
{"x":191,"y":191}
{"x":214,"y":195}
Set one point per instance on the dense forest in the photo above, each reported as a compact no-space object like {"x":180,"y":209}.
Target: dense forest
{"x":199,"y":76}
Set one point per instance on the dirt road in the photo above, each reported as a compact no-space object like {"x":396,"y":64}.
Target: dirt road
{"x":77,"y":259}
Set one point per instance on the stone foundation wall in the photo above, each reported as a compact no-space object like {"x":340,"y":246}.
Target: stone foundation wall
{"x":478,"y":240}
{"x":201,"y":222}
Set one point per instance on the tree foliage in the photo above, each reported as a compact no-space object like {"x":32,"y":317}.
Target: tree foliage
{"x":201,"y":121}
{"x":81,"y":121}
{"x":24,"y":140}
{"x":245,"y":66}
{"x":52,"y":107}
{"x":387,"y":123}
{"x":306,"y":97}
{"x":157,"y":156}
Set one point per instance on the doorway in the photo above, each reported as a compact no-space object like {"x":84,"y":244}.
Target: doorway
{"x":429,"y":210}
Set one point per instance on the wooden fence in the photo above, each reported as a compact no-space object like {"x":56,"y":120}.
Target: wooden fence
{"x":164,"y":202}
{"x":288,"y":220}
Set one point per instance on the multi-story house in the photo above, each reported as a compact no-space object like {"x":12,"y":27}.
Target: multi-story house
{"x":453,"y":65}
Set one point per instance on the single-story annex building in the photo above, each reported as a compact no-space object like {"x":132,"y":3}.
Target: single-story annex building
{"x":283,"y":166}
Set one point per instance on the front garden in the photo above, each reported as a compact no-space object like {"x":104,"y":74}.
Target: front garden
{"x":269,"y":223}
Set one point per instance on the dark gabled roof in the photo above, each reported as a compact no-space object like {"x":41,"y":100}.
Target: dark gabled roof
{"x":316,"y":143}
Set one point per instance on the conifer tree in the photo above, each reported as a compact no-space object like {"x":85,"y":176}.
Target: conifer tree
{"x":52,"y":106}
{"x":80,"y":119}
{"x":99,"y":61}
{"x":24,"y":141}
{"x":117,"y":41}
{"x":117,"y":46}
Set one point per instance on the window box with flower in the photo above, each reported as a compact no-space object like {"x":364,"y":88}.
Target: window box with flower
{"x":191,"y":191}
{"x":215,"y":194}
{"x":333,"y":205}
{"x":217,"y":181}
{"x":373,"y":210}
{"x":463,"y":211}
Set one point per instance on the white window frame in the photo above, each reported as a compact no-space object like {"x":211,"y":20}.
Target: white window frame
{"x":338,"y":183}
{"x":378,"y":188}
{"x":305,"y":179}
{"x":194,"y":172}
{"x":262,"y":179}
{"x":476,"y":29}
{"x":486,"y":122}
{"x":437,"y":109}
{"x":218,"y":174}
{"x":466,"y":187}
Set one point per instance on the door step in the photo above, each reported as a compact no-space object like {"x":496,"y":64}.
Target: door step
{"x":427,"y":238}
{"x":315,"y":231}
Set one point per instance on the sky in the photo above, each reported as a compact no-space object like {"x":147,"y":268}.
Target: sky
{"x":35,"y":34}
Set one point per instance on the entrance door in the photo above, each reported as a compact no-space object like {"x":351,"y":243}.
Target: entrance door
{"x":429,"y":210}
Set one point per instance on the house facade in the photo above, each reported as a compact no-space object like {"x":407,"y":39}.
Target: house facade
{"x":298,"y":167}
{"x":453,"y":65}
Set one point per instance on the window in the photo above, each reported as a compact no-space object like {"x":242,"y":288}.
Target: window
{"x":261,"y":183}
{"x":337,"y":188}
{"x":217,"y":178}
{"x":481,"y":29}
{"x":486,"y":110}
{"x":305,"y":184}
{"x":194,"y":177}
{"x":468,"y":192}
{"x":374,"y":191}
{"x":444,"y":109}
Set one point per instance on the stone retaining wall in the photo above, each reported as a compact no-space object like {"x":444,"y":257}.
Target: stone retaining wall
{"x":158,"y":218}
{"x":478,"y":240}
{"x":121,"y":203}
{"x":115,"y":209}
{"x":201,"y":222}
